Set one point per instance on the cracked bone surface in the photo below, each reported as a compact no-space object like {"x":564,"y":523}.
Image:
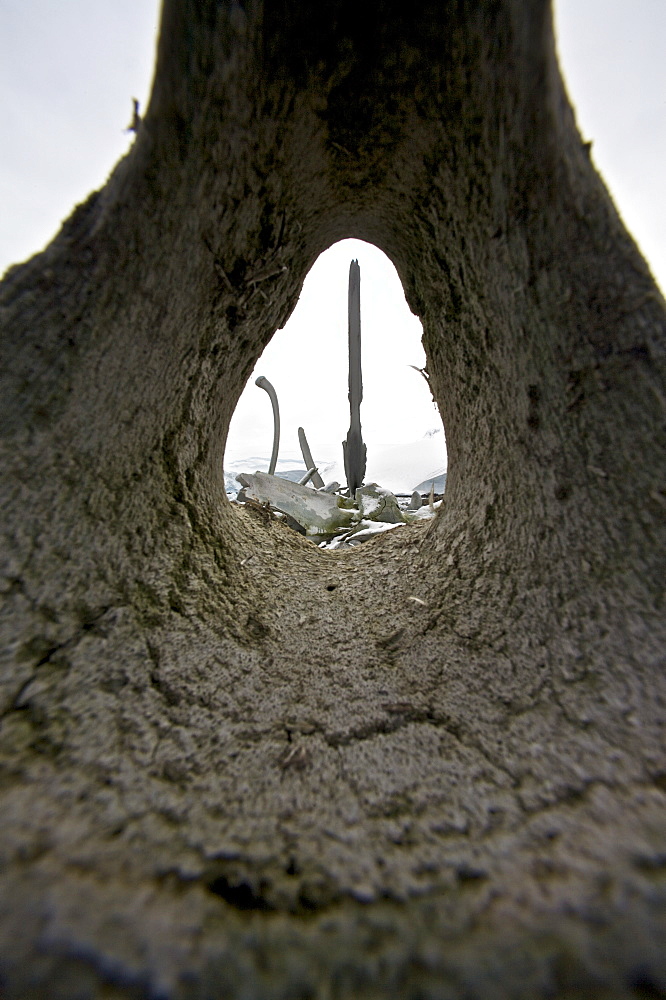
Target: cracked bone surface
{"x":317,"y":512}
{"x":235,"y":765}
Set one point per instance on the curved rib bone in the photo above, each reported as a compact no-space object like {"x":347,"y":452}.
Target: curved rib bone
{"x":263,"y":383}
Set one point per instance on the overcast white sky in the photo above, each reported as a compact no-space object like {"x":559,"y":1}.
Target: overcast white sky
{"x":68,"y":71}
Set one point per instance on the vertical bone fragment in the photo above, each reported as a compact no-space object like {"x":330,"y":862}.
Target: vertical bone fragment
{"x":354,"y":450}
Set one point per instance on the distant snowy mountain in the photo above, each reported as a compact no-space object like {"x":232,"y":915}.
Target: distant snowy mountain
{"x":438,"y":483}
{"x":402,"y":467}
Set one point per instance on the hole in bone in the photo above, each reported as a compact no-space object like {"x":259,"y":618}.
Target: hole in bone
{"x":307,"y":363}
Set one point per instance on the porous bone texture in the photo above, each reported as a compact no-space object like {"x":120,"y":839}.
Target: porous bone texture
{"x":234,"y":765}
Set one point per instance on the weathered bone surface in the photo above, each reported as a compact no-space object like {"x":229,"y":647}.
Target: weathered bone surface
{"x":316,"y":512}
{"x":231,"y":764}
{"x":309,"y":475}
{"x":378,"y":504}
